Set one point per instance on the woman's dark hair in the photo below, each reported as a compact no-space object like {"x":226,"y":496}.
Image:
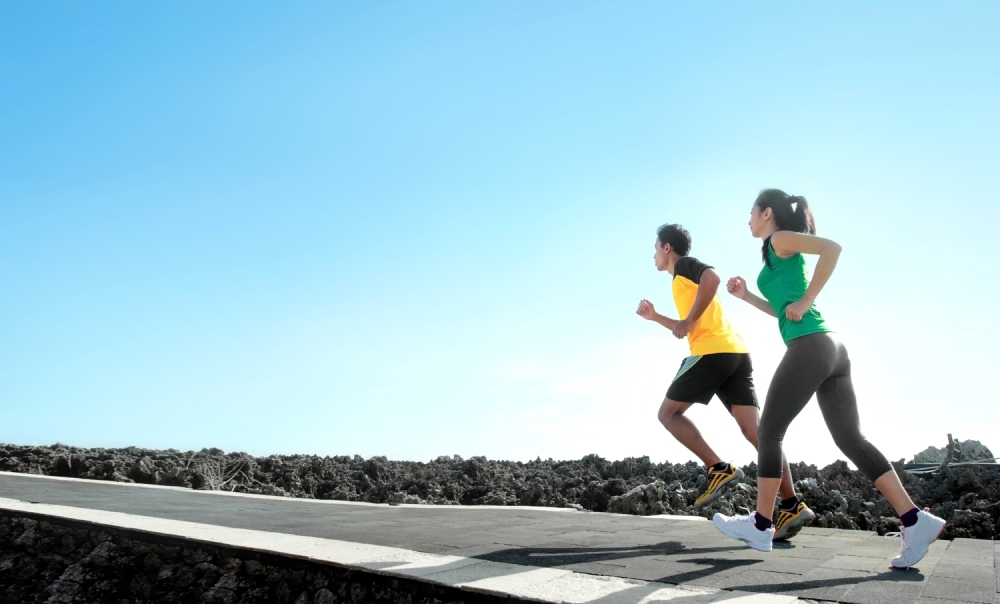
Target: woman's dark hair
{"x":677,"y":236}
{"x":791,"y":213}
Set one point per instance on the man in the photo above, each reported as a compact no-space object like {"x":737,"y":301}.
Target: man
{"x":719,"y":365}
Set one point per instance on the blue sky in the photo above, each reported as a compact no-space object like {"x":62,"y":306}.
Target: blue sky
{"x":417,"y":229}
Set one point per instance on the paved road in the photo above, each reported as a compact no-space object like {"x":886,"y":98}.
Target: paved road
{"x":818,"y":564}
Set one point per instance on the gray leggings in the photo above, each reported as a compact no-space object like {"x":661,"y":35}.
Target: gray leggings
{"x":815,"y":364}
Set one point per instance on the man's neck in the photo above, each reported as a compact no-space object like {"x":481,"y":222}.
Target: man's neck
{"x":672,"y":262}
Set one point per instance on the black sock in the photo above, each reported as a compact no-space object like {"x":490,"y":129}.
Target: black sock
{"x":789,"y":504}
{"x":910,"y":518}
{"x":720,"y":467}
{"x":762,"y":523}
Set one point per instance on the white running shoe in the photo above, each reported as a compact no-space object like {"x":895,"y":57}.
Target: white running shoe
{"x":742,"y":528}
{"x":918,"y":538}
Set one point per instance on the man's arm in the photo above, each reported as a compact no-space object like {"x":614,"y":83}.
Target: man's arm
{"x":647,"y":311}
{"x":708,"y":285}
{"x":664,"y":321}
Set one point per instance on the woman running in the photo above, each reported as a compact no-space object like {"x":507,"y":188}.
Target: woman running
{"x":815,"y":362}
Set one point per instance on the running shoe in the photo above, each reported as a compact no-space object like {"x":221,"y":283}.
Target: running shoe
{"x":742,"y":528}
{"x":917,"y":538}
{"x":790,"y":522}
{"x":718,"y":482}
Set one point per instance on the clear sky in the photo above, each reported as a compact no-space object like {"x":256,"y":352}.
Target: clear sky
{"x":422,"y":228}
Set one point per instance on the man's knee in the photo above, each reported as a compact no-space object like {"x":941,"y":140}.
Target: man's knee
{"x":746,"y":419}
{"x":670,"y":411}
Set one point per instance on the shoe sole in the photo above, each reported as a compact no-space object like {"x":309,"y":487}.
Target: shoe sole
{"x":750,"y":544}
{"x":793,"y":527}
{"x":738,"y":476}
{"x":941,"y":530}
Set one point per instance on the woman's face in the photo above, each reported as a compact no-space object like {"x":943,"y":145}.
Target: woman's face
{"x":758,"y":220}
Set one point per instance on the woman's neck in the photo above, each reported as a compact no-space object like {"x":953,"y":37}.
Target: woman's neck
{"x":769,"y":230}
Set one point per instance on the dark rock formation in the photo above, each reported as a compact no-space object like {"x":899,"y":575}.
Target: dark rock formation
{"x":967,"y":496}
{"x":964,"y":451}
{"x":46,"y":562}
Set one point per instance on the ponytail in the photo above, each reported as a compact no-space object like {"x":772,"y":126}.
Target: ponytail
{"x":791,"y":213}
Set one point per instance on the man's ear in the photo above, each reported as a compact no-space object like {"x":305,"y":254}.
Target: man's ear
{"x":666,"y":248}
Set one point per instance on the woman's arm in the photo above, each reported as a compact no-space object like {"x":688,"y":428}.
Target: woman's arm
{"x":737,"y":286}
{"x":787,"y":244}
{"x":760,"y":303}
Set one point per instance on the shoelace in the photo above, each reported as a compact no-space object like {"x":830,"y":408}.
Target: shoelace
{"x":902,"y":539}
{"x":899,"y":534}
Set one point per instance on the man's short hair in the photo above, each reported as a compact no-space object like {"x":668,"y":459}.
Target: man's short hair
{"x":677,"y":236}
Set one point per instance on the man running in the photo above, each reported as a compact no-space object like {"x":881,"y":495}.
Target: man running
{"x":719,"y":365}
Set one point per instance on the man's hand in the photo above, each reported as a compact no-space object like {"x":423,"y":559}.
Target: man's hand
{"x":795,"y":310}
{"x":737,"y":287}
{"x":681,"y":328}
{"x":646,"y":310}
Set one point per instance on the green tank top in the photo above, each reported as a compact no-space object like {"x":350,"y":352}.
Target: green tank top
{"x":782,"y":283}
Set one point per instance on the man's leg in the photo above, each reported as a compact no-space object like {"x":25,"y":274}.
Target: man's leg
{"x":672,"y":417}
{"x":747,"y":417}
{"x":697,"y":381}
{"x":720,"y":475}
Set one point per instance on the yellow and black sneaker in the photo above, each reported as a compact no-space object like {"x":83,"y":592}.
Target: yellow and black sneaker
{"x":718,"y":482}
{"x":790,"y":522}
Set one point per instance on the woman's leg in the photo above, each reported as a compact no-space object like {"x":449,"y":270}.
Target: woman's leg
{"x":748,"y":418}
{"x":808,"y":361}
{"x":839,"y":405}
{"x":840,"y":410}
{"x":888,"y":484}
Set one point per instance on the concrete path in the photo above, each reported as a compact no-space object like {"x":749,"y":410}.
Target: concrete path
{"x":818,"y":564}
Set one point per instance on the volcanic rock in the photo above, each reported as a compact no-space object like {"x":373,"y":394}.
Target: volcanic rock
{"x":968,"y":450}
{"x":967,"y":496}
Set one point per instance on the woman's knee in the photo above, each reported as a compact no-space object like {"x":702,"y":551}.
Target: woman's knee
{"x":770,"y":432}
{"x":863,"y":454}
{"x":849,"y":440}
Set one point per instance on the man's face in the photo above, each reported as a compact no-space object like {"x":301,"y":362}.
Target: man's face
{"x":660,"y":256}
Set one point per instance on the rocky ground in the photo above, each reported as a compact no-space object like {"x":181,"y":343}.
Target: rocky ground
{"x":54,"y":564}
{"x":967,"y":496}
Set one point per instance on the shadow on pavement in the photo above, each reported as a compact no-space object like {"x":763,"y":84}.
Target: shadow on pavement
{"x":704,"y":565}
{"x":550,"y":557}
{"x":889,"y":576}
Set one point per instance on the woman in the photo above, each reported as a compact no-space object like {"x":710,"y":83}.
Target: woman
{"x":815,"y":362}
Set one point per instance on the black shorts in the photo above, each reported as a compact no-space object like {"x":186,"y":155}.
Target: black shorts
{"x":726,"y":374}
